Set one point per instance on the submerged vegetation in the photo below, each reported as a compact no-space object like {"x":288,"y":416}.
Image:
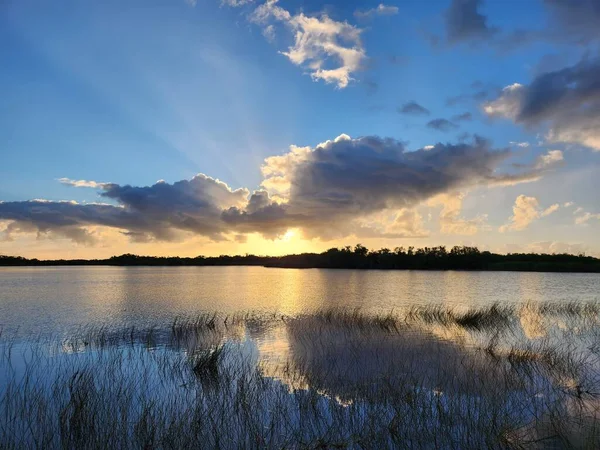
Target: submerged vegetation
{"x":523,"y":376}
{"x":359,"y":257}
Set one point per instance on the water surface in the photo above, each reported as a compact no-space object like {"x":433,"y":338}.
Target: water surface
{"x":92,"y":357}
{"x":55,"y":299}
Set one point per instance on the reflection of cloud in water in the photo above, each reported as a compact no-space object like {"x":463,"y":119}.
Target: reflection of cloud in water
{"x":532,"y":321}
{"x":344,"y":361}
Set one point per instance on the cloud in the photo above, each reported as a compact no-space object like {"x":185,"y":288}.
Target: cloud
{"x":566,"y":102}
{"x":465,"y":22}
{"x":329,"y":50}
{"x":525,"y":211}
{"x":441,"y":125}
{"x":466,"y":116}
{"x":337,"y":181}
{"x":552,"y":158}
{"x":233,"y":3}
{"x":82,"y":183}
{"x":568,"y":204}
{"x":479,"y":95}
{"x":586,"y":217}
{"x":550,"y":210}
{"x":143,"y":213}
{"x":368,"y":186}
{"x":554,"y":247}
{"x":520,"y":144}
{"x":380,"y":10}
{"x":269,"y":33}
{"x":413,"y":108}
{"x":450,"y":220}
{"x":580,"y":19}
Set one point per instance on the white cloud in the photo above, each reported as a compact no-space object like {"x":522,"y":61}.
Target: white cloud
{"x":82,"y":183}
{"x":329,"y":50}
{"x":568,"y":204}
{"x":586,"y":217}
{"x":520,"y":144}
{"x":558,"y":247}
{"x":269,"y":33}
{"x":508,"y":104}
{"x":551,"y":158}
{"x":550,"y":210}
{"x":450,"y":220}
{"x":233,"y":3}
{"x":380,"y":10}
{"x":525,"y":211}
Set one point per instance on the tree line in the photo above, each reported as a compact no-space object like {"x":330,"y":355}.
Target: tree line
{"x":357,"y":257}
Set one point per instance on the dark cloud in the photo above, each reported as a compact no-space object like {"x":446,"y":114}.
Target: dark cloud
{"x":413,"y":108}
{"x":465,"y":22}
{"x":345,"y":179}
{"x":566,"y":100}
{"x":143,"y":213}
{"x":580,"y":19}
{"x":441,"y":125}
{"x":332,"y":190}
{"x":479,"y":95}
{"x":466,"y":116}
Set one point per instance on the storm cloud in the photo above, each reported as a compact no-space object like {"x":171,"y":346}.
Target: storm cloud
{"x":366,"y":187}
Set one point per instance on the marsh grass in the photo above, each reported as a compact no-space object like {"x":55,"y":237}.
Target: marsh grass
{"x":205,"y":363}
{"x":428,"y":377}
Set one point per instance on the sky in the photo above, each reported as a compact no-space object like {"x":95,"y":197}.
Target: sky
{"x":279,"y":126}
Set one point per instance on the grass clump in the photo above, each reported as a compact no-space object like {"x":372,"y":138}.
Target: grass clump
{"x":205,"y":363}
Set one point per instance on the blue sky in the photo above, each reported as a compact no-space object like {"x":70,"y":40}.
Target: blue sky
{"x":129,"y":93}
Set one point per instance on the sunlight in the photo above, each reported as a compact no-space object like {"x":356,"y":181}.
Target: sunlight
{"x":289,"y":234}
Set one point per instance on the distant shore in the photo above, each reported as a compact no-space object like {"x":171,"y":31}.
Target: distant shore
{"x":358,"y":257}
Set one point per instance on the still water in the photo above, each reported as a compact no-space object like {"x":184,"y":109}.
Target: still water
{"x":522,"y":376}
{"x":57,"y":299}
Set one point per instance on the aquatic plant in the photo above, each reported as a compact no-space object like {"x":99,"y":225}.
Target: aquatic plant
{"x":416,"y":378}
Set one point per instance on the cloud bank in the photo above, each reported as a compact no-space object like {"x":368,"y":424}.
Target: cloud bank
{"x":368,"y":186}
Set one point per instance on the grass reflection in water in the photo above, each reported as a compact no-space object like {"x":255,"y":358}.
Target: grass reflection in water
{"x":500,"y":377}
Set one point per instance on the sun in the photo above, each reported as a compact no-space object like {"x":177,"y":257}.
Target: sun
{"x":289,"y":234}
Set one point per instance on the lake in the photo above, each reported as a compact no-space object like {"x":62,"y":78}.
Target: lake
{"x":92,"y":357}
{"x":54,"y":299}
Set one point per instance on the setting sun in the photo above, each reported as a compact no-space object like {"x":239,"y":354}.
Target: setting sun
{"x":289,"y":234}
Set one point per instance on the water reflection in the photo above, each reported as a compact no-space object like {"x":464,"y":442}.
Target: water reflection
{"x":57,"y":299}
{"x":484,"y":377}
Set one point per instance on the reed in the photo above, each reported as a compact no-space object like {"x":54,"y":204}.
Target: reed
{"x":427,"y":377}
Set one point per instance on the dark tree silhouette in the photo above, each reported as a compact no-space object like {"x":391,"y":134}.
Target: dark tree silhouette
{"x":359,"y":257}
